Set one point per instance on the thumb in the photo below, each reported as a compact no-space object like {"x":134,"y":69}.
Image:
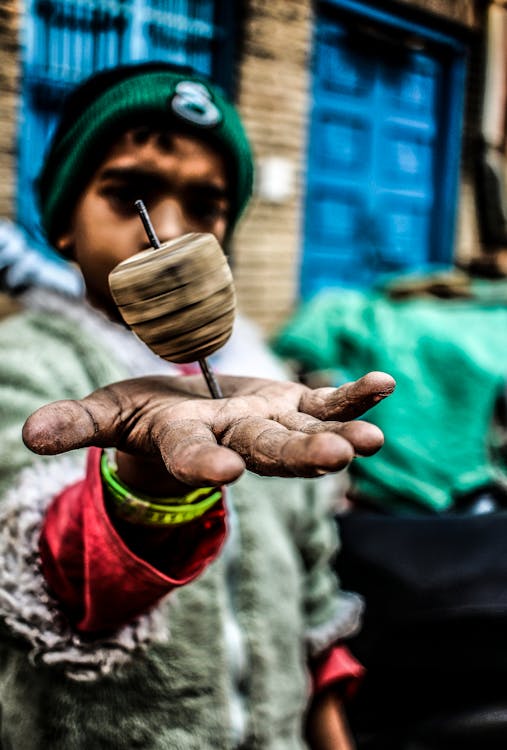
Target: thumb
{"x":63,"y":426}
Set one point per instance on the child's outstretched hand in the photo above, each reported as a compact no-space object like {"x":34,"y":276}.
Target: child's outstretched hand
{"x":272,"y":428}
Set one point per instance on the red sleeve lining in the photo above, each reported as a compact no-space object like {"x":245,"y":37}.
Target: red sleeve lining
{"x":99,"y":581}
{"x":339,"y":669}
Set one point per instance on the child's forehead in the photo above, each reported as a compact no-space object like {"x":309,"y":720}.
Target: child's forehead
{"x":158,"y":147}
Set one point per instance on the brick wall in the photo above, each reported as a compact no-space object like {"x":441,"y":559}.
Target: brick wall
{"x":273,"y":98}
{"x":9,"y":79}
{"x":460,"y":11}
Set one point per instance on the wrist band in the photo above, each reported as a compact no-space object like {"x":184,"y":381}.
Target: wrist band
{"x":148,"y":511}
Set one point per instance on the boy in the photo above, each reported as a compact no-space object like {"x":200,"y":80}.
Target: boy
{"x":95,"y":654}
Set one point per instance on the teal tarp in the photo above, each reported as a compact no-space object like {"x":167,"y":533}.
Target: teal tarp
{"x":449,"y":358}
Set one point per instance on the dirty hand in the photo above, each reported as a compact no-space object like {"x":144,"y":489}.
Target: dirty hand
{"x":272,"y":428}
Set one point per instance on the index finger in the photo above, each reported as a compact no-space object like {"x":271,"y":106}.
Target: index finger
{"x":350,"y":400}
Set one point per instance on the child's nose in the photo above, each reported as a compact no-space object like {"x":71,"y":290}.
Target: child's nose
{"x":168,"y":220}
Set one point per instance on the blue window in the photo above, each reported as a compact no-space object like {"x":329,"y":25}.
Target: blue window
{"x":384,"y":146}
{"x":63,"y":41}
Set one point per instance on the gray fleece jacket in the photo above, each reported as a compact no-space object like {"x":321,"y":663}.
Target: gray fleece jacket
{"x":168,"y":680}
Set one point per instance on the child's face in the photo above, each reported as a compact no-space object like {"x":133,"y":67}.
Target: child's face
{"x":182,"y":181}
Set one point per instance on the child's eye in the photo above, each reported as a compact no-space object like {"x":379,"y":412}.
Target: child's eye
{"x":122,"y":198}
{"x":208,"y":212}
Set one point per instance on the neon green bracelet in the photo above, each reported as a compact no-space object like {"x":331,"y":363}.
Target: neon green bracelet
{"x":147,"y":511}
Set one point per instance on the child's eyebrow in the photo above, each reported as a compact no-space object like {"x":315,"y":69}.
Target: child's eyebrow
{"x":140,"y":174}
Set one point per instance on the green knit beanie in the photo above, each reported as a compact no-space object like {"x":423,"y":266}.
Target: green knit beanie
{"x":113,"y":101}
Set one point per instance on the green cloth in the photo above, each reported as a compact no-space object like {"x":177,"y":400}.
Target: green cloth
{"x":449,"y":358}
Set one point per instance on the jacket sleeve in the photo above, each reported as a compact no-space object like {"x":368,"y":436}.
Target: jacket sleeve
{"x":99,"y":581}
{"x":44,"y":359}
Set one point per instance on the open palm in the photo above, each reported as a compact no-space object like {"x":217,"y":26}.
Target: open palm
{"x":272,"y":428}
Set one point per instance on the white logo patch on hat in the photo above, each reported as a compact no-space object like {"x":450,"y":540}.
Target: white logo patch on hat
{"x":192,"y":101}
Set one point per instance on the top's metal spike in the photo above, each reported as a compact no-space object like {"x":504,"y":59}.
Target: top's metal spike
{"x":148,"y":226}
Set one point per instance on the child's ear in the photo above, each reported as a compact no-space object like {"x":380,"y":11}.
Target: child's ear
{"x":65,"y":244}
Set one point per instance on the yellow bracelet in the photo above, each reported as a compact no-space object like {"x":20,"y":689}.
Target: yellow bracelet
{"x":147,"y":511}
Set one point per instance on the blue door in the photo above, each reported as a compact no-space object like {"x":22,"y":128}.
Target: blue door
{"x":382,"y":162}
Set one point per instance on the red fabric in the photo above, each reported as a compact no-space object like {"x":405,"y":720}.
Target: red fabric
{"x":99,"y":581}
{"x":337,"y":668}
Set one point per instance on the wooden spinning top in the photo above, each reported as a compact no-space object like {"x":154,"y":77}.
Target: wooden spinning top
{"x":178,"y":297}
